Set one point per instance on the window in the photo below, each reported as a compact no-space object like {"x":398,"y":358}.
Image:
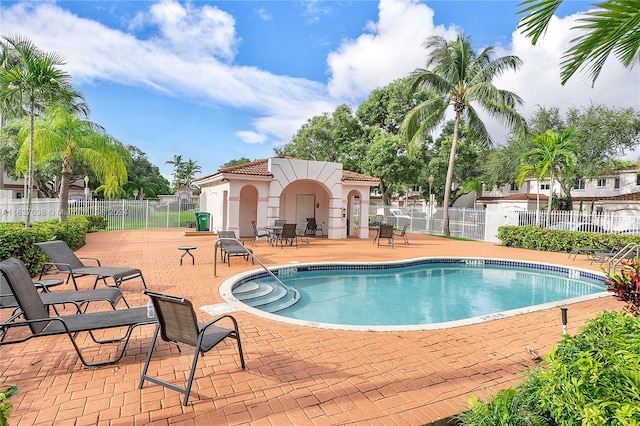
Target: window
{"x":638,"y":179}
{"x":579,"y":184}
{"x":416,"y":188}
{"x":616,"y":183}
{"x":545,"y":185}
{"x":514,"y":187}
{"x":602,"y":182}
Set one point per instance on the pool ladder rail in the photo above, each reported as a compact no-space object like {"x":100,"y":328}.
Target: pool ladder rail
{"x":624,"y":254}
{"x":249,"y":253}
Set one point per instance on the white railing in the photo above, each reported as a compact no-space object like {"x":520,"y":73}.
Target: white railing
{"x":120,"y":214}
{"x":483,"y":224}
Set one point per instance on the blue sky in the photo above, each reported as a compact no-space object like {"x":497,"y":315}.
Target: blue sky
{"x":218,"y":80}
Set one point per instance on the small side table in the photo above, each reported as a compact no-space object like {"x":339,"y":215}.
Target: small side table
{"x":187,"y":251}
{"x":44,"y":285}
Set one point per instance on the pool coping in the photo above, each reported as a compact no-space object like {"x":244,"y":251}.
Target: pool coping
{"x":233,"y":304}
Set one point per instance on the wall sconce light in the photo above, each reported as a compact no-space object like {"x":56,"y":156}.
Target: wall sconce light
{"x":317,"y":205}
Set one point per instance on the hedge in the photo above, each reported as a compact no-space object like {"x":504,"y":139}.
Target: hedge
{"x":19,"y":242}
{"x":536,"y":238}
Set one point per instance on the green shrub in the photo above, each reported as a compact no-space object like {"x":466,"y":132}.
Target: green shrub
{"x":19,"y":242}
{"x":536,"y":238}
{"x":96,"y":223}
{"x":5,"y":406}
{"x":592,"y":378}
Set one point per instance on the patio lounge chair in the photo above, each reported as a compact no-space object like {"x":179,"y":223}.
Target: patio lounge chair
{"x":65,"y":261}
{"x":233,"y":248}
{"x":80,"y":299}
{"x":313,"y":227}
{"x":40,"y":323}
{"x":386,"y":233}
{"x":178,"y":324}
{"x":402,"y":233}
{"x":258,"y":234}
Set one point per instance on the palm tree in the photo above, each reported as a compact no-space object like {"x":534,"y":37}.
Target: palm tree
{"x":31,"y":78}
{"x":524,"y":171}
{"x":188,"y":172}
{"x":460,"y":77}
{"x":177,"y":167}
{"x":613,"y":27}
{"x":552,"y":154}
{"x":140,"y":186}
{"x":62,"y":132}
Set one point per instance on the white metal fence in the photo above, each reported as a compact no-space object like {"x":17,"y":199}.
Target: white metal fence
{"x":465,"y":223}
{"x":120,"y":214}
{"x":483,"y":224}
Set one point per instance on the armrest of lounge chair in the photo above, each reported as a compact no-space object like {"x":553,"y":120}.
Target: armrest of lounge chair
{"x":91,"y":258}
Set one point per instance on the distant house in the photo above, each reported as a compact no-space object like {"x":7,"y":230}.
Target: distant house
{"x":290,"y":189}
{"x":618,"y":191}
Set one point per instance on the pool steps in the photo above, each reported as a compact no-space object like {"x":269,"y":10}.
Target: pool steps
{"x":265,"y":296}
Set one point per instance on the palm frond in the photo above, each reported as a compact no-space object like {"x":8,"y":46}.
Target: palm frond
{"x":615,"y":27}
{"x":539,"y":13}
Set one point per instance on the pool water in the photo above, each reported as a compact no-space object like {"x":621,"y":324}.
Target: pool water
{"x":429,"y":293}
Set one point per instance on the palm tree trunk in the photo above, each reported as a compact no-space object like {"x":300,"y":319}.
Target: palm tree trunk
{"x":447,"y":186}
{"x":550,"y":199}
{"x":32,"y":107}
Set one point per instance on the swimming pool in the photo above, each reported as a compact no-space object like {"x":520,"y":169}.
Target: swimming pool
{"x":419,"y":294}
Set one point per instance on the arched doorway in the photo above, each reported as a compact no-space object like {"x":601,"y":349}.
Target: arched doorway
{"x":248,"y":210}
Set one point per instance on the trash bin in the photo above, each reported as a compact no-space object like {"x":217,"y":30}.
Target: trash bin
{"x":202,"y":221}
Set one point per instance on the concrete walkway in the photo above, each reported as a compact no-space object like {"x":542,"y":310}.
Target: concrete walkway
{"x":295,"y":375}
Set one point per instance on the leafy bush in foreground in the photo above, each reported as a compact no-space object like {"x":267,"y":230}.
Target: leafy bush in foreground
{"x":592,"y":378}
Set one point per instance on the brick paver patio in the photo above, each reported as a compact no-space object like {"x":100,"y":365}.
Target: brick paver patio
{"x":295,"y":375}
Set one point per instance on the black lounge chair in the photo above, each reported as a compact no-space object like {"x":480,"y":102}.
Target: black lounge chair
{"x":233,"y":248}
{"x":40,"y":323}
{"x":402,"y":233}
{"x":386,"y":233}
{"x":178,"y":324}
{"x":80,"y":299}
{"x":65,"y":261}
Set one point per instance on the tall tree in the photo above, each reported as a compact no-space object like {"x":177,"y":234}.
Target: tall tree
{"x":188,"y":172}
{"x":63,"y":133}
{"x":387,"y":159}
{"x":32,"y":78}
{"x":551,"y":154}
{"x":459,"y":78}
{"x":177,"y":166}
{"x":235,"y":162}
{"x":613,"y":27}
{"x":141,"y":171}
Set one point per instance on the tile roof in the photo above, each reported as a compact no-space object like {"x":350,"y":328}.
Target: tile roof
{"x":261,"y":168}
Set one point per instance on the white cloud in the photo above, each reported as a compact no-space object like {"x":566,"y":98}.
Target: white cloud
{"x":251,"y":137}
{"x":195,"y":31}
{"x":162,"y":63}
{"x":263,"y":14}
{"x":390,"y":48}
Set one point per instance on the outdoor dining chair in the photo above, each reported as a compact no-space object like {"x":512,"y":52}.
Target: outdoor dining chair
{"x":37,"y":319}
{"x":402,"y":233}
{"x":258,"y":234}
{"x":385,"y":233}
{"x":65,"y":261}
{"x":313,"y":227}
{"x":178,"y":324}
{"x":289,"y":235}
